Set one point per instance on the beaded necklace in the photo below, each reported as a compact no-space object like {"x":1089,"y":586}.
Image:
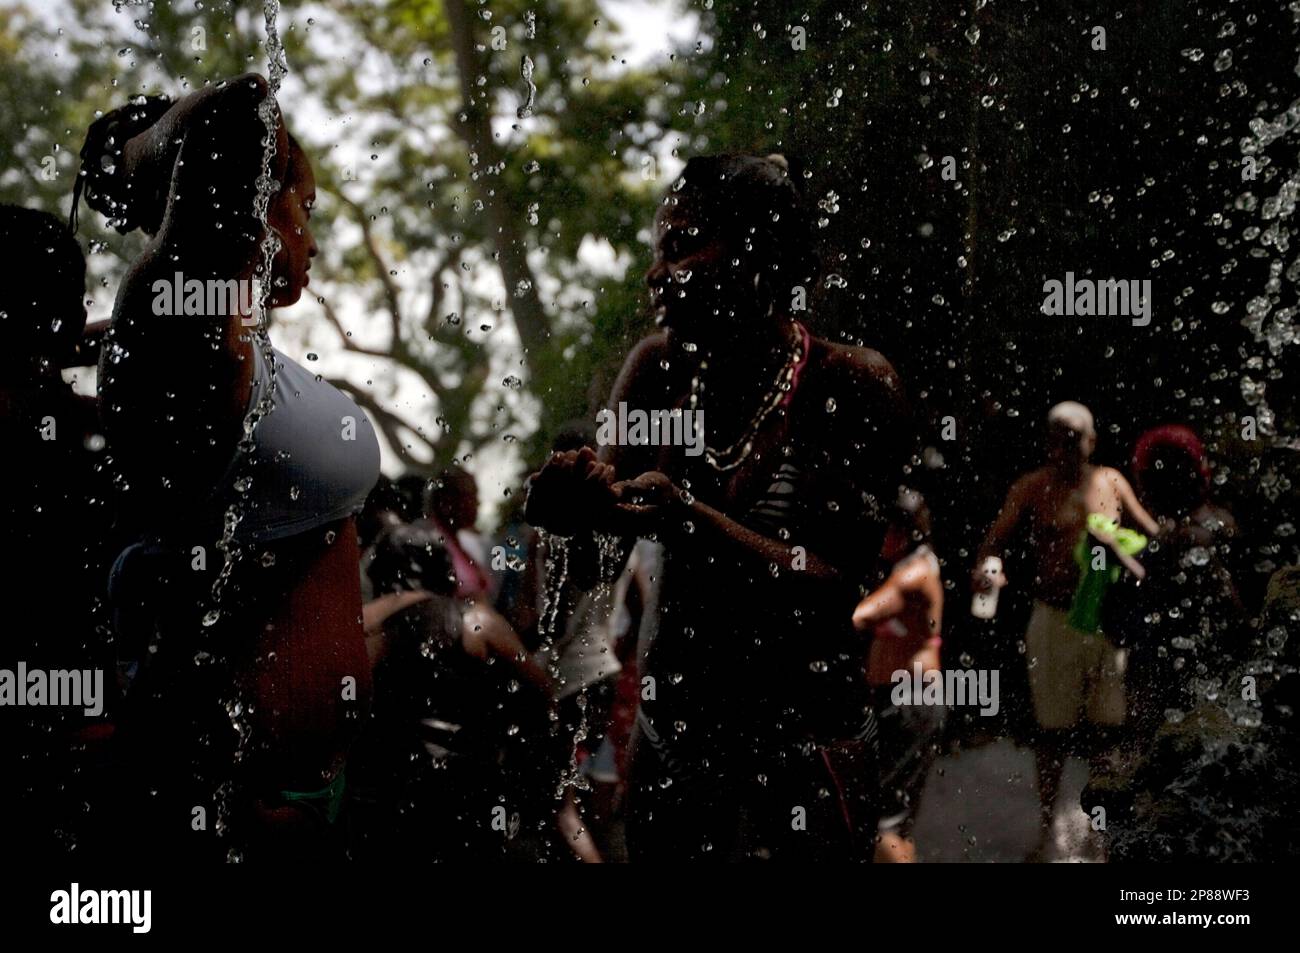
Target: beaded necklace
{"x":739,"y":450}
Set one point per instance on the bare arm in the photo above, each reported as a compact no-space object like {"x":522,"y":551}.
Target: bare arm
{"x":204,"y":157}
{"x":201,"y":160}
{"x":1128,"y":499}
{"x":641,"y":382}
{"x":886,"y":602}
{"x":868,"y":455}
{"x":912,"y":578}
{"x":485,"y":632}
{"x":1007,"y":522}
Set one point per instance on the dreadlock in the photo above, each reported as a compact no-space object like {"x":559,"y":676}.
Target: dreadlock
{"x":101,"y":177}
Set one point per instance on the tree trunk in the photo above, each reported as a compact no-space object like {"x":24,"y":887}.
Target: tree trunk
{"x":530,"y":318}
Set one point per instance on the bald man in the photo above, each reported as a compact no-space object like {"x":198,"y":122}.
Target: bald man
{"x":1073,"y":674}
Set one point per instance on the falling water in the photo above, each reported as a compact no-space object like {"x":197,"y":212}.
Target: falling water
{"x":1225,"y":744}
{"x":609,"y":553}
{"x":530,"y":90}
{"x":555,"y":575}
{"x":277,"y":67}
{"x":1273,"y":328}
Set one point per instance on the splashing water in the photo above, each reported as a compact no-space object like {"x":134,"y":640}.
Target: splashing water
{"x":556,"y":574}
{"x":530,"y":90}
{"x":572,"y":776}
{"x":277,"y":67}
{"x":1271,"y":326}
{"x":236,"y":709}
{"x":609,"y":560}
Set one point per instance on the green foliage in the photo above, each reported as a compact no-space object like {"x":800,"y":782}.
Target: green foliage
{"x":410,"y":269}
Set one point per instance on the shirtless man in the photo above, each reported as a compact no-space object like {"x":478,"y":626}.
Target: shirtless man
{"x":1071,"y":672}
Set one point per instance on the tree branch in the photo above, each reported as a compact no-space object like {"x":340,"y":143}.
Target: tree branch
{"x":390,"y":289}
{"x":388,"y":423}
{"x":522,"y":297}
{"x":348,"y":344}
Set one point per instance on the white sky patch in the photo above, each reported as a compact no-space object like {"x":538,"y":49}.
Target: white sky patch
{"x":602,"y":258}
{"x":649,"y":31}
{"x":646,"y":33}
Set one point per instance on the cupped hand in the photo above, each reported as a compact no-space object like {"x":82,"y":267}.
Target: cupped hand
{"x":648,"y":503}
{"x":572,"y":492}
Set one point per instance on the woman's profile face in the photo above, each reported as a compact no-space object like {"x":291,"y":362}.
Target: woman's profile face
{"x":290,"y":215}
{"x":698,"y":285}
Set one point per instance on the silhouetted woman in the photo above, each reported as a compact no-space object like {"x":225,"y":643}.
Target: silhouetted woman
{"x":214,"y":434}
{"x":755,"y":722}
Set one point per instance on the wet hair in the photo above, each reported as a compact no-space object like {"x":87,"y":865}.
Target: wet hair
{"x":41,"y":311}
{"x":754,"y":199}
{"x":409,"y":558}
{"x":101,"y":178}
{"x":447,"y":491}
{"x":1170,"y":468}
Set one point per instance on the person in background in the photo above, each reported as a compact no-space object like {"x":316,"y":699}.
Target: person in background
{"x":1186,"y":621}
{"x":57,"y":522}
{"x":1063,"y":510}
{"x":905,"y":618}
{"x":450,"y":775}
{"x":382,"y":511}
{"x":451,"y":506}
{"x":1172,"y":474}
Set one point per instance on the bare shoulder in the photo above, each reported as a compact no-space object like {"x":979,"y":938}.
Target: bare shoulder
{"x":863,"y":383}
{"x":650,"y":348}
{"x":859,"y":366}
{"x":852,"y":399}
{"x":1032,"y":483}
{"x":642,"y":372}
{"x":1112,"y":477}
{"x":917,"y":571}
